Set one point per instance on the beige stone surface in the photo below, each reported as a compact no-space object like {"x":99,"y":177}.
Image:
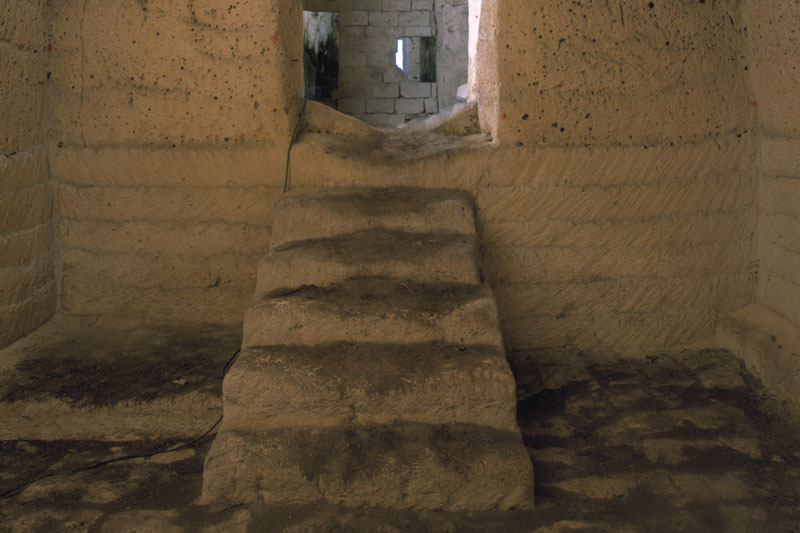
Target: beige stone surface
{"x":374,"y":311}
{"x":127,"y":421}
{"x":17,"y":283}
{"x":122,"y":204}
{"x":94,"y":379}
{"x":22,"y":77}
{"x":308,"y":213}
{"x":172,"y":73}
{"x":405,"y":466}
{"x":772,"y":47}
{"x":85,"y":295}
{"x":584,"y":227}
{"x":27,"y":291}
{"x":27,"y":314}
{"x":185,"y":225}
{"x":652,"y":175}
{"x":20,"y":247}
{"x":248,"y":165}
{"x":718,"y":480}
{"x":23,"y":170}
{"x":771,"y":51}
{"x":25,"y":208}
{"x":565,"y":74}
{"x":177,"y":236}
{"x":779,"y":227}
{"x":768,"y":343}
{"x":25,"y":24}
{"x":363,"y":359}
{"x":417,"y":258}
{"x":335,"y":384}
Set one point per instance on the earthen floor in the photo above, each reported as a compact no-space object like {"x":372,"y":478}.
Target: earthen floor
{"x":686,"y":442}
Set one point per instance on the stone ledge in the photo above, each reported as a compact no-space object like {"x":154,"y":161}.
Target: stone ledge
{"x":114,"y":379}
{"x":768,"y":344}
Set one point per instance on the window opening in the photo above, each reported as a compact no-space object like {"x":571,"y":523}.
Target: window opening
{"x":399,"y":57}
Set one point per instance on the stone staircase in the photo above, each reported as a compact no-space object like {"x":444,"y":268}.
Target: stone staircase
{"x":372,"y":370}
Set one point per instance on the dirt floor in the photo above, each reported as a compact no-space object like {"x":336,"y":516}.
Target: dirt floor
{"x":687,"y":442}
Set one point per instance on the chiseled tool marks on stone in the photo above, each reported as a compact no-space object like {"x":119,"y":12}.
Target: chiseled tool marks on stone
{"x":373,"y":372}
{"x":27,"y":288}
{"x":308,"y":213}
{"x":779,"y":227}
{"x":416,"y":258}
{"x":332,"y":384}
{"x":374,"y":311}
{"x":404,"y":465}
{"x":575,"y":220}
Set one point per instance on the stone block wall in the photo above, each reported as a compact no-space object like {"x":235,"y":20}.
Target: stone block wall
{"x":773,"y":53}
{"x":27,"y":288}
{"x":371,"y":87}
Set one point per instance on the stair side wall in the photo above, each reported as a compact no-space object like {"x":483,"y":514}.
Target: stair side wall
{"x":774,"y":75}
{"x":27,"y":287}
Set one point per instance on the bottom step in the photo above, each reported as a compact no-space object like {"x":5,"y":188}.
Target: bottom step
{"x":402,"y":466}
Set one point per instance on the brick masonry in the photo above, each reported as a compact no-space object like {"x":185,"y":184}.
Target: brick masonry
{"x":371,"y":87}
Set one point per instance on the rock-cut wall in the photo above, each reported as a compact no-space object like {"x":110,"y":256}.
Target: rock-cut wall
{"x":773,"y":52}
{"x":27,"y":289}
{"x":617,"y":205}
{"x":623,"y":215}
{"x":169,"y":137}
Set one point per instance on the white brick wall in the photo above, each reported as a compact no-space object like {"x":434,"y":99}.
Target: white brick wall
{"x":371,"y":87}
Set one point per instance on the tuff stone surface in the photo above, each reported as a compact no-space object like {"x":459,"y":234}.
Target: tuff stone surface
{"x":373,"y":375}
{"x":397,"y":466}
{"x":121,"y":106}
{"x":671,"y":62}
{"x":333,"y":384}
{"x":27,"y":289}
{"x":80,"y":378}
{"x":374,"y":311}
{"x":768,"y":344}
{"x":671,"y":476}
{"x":314,"y":213}
{"x":415,"y":258}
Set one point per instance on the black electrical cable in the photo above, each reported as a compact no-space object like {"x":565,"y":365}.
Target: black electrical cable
{"x":190,"y":444}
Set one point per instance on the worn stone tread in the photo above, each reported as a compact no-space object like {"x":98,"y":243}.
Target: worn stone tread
{"x":326,"y":385}
{"x":313,"y":213}
{"x":400,"y":466}
{"x":411,"y":257}
{"x":374,"y":310}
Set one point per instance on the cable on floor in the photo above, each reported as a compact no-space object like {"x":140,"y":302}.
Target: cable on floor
{"x":194,"y":442}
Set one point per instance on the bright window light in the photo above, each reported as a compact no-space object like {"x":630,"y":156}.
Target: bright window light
{"x":398,"y":56}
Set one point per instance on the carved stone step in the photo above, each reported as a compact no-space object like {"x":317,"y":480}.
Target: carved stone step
{"x":330,"y":384}
{"x":374,"y":310}
{"x":315,"y":213}
{"x":457,"y":467}
{"x":405,"y":257}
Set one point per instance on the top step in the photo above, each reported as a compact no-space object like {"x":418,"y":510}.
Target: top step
{"x":315,"y":213}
